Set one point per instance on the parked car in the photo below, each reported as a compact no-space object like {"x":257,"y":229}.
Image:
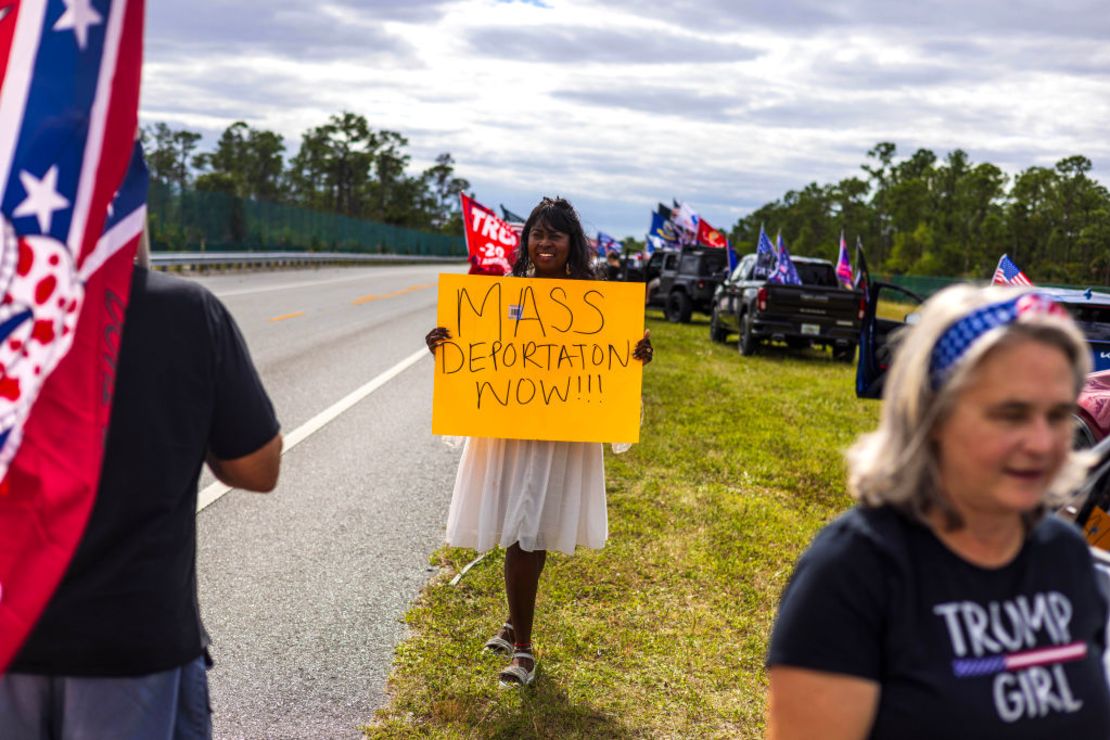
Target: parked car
{"x":686,"y":281}
{"x":889,"y":307}
{"x":819,"y":312}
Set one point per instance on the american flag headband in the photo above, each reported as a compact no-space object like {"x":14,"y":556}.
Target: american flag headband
{"x":962,"y":335}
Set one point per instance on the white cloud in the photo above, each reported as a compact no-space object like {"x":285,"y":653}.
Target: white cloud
{"x":724,"y":104}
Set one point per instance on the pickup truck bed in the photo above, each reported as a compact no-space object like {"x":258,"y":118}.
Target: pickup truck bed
{"x":817,"y":313}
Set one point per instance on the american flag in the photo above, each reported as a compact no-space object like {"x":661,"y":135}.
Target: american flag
{"x":1007,"y":273}
{"x":69,"y":93}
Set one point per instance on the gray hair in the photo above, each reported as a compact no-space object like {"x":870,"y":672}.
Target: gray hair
{"x":897,"y":464}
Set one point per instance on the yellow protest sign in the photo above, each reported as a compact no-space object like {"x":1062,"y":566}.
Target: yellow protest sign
{"x":538,"y":359}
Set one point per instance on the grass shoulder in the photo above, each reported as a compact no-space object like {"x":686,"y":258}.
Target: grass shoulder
{"x":663,"y":632}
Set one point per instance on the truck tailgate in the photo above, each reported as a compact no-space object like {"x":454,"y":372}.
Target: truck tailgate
{"x":821,"y":305}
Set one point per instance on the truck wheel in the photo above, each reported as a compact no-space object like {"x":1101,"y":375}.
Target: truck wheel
{"x":679,"y":308}
{"x":748,"y":343}
{"x":716,"y":332}
{"x":845,"y":354}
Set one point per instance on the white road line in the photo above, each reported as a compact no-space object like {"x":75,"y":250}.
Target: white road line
{"x":310,"y":283}
{"x":313,"y":425}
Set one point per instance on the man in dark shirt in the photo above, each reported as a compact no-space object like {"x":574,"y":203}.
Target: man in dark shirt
{"x":120,"y":650}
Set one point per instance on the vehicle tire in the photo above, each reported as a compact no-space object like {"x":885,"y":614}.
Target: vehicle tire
{"x":748,"y":343}
{"x":844,"y":354}
{"x":716,"y":332}
{"x":678,"y":308}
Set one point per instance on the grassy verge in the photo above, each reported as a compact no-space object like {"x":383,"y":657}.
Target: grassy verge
{"x":663,"y":632}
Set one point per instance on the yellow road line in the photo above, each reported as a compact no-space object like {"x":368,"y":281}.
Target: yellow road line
{"x":285,"y":316}
{"x":373,"y":297}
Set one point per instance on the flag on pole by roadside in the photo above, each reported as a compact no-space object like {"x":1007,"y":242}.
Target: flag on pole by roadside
{"x":686,"y":221}
{"x":1007,"y":273}
{"x":490,"y":241}
{"x":515,"y":222}
{"x":844,"y":265}
{"x":662,"y":234}
{"x":510,"y":216}
{"x":862,"y":281}
{"x":765,"y":256}
{"x":607,"y":244}
{"x":69,"y":98}
{"x":709,"y":236}
{"x":785,"y":272}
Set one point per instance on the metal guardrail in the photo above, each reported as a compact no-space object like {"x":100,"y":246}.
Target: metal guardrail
{"x":164,"y":260}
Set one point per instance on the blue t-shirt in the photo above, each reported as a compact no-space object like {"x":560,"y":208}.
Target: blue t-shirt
{"x":958,"y":650}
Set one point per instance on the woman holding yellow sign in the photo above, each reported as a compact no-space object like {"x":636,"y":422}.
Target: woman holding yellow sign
{"x":530,"y":496}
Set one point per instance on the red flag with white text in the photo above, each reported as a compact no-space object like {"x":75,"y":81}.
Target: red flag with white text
{"x":69,"y":94}
{"x":490,"y":240}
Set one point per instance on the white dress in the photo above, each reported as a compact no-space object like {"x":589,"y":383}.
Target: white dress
{"x":542,"y":495}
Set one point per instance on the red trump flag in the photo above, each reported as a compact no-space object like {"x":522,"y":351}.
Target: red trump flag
{"x":69,"y":94}
{"x":490,"y":240}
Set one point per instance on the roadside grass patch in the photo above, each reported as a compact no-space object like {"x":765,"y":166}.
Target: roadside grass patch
{"x":663,"y":632}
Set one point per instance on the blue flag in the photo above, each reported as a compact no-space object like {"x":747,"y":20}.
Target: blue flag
{"x":764,"y":256}
{"x":733,"y":260}
{"x":785,"y":273}
{"x":607,"y":244}
{"x":664,"y":231}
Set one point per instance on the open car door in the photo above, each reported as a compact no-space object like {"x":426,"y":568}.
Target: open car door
{"x":889,"y":307}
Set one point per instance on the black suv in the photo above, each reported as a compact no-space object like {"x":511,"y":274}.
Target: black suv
{"x":687,"y":280}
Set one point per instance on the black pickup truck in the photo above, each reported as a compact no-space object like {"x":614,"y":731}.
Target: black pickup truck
{"x":816,"y":313}
{"x":687,"y":281}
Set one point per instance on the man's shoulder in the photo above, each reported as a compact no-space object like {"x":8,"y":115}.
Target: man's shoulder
{"x":160,"y":286}
{"x":172,"y":298}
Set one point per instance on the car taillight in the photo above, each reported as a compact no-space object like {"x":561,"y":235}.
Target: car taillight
{"x":761,"y":299}
{"x":701,"y":284}
{"x":862,"y":308}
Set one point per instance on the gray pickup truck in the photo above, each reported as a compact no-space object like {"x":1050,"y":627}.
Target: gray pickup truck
{"x":818,"y":313}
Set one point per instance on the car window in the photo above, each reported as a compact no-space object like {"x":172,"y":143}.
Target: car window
{"x":1093,"y":319}
{"x":894,"y":304}
{"x":712,"y":262}
{"x":671,"y":259}
{"x":689,"y":264}
{"x":744,"y":271}
{"x":817,"y":273}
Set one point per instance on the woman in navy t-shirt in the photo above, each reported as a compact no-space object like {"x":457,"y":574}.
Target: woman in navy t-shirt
{"x":947,"y":604}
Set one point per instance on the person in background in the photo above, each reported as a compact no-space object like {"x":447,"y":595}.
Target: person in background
{"x":530,"y":496}
{"x":947,"y":603}
{"x":120,"y":651}
{"x":613,"y":266}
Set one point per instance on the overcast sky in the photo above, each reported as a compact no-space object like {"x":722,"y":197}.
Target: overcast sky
{"x":726,"y":105}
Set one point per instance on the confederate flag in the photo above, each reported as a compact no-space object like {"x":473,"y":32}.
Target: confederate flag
{"x":69,"y":95}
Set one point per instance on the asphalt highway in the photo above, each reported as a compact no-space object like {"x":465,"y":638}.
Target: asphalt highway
{"x":303,"y":590}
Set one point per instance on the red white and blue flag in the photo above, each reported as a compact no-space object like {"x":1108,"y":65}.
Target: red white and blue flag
{"x":785,"y":272}
{"x":69,"y":99}
{"x":1007,"y":273}
{"x":844,"y":265}
{"x":607,"y":244}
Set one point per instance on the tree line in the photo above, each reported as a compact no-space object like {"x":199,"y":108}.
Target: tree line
{"x":343,"y":166}
{"x":921,"y":215}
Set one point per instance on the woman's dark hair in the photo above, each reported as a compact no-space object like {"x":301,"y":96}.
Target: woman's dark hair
{"x":558,"y":214}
